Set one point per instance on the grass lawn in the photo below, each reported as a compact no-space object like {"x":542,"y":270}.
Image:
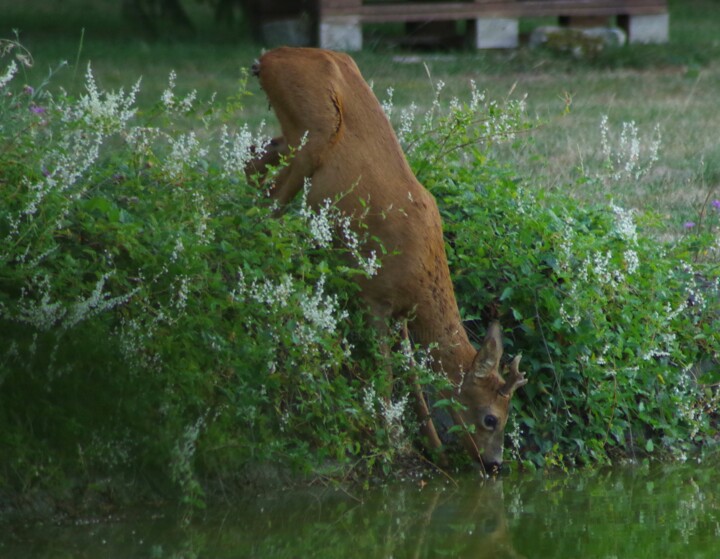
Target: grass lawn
{"x":673,"y":87}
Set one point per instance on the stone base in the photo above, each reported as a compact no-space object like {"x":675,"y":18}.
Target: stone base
{"x":341,"y":33}
{"x":648,"y":29}
{"x":496,"y":33}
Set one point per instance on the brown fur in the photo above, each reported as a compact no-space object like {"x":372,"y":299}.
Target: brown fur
{"x":353,"y":157}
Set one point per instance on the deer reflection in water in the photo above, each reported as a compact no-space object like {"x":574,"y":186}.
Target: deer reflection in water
{"x":468,"y":520}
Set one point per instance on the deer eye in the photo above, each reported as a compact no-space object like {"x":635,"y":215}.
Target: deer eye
{"x":490,"y":422}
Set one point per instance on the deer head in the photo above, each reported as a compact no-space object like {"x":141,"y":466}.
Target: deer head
{"x":485,"y":396}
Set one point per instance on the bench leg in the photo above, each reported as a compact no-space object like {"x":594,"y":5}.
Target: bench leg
{"x":647,"y":28}
{"x":496,"y":33}
{"x":341,"y":33}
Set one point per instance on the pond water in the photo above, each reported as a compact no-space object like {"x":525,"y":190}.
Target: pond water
{"x":657,"y":512}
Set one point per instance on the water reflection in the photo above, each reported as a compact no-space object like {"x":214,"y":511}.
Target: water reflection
{"x":657,"y":513}
{"x":403,"y":521}
{"x":467,"y":520}
{"x":409,"y":520}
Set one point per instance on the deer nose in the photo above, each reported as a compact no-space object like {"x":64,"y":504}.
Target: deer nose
{"x":492,"y":468}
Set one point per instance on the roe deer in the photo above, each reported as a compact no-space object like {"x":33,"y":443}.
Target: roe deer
{"x":352,"y":157}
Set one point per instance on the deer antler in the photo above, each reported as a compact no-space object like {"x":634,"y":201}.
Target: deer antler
{"x":514,"y":379}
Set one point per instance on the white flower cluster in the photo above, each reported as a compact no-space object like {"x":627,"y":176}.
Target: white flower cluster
{"x":570,"y":317}
{"x":202,"y":218}
{"x":515,"y":436}
{"x":172,"y":103}
{"x":182,"y":469}
{"x":267,"y":292}
{"x":694,"y":409}
{"x":186,"y":152}
{"x":392,"y":414}
{"x":501,"y":124}
{"x":494,"y":123}
{"x":89,"y":121}
{"x":434,"y":107}
{"x":43,"y":311}
{"x":237,"y":149}
{"x":134,"y":335}
{"x":418,"y":359}
{"x":626,"y":162}
{"x":477,"y":97}
{"x":369,"y":399}
{"x":320,"y":311}
{"x":141,"y":139}
{"x":111,"y":452}
{"x":321,"y":221}
{"x":407,"y":120}
{"x":327,"y":224}
{"x":387,"y":104}
{"x":9,"y":74}
{"x":601,"y":266}
{"x":64,"y":166}
{"x":98,"y":301}
{"x":625,"y":223}
{"x":104,"y":112}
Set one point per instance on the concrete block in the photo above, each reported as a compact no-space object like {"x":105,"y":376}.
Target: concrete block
{"x":341,"y":33}
{"x":496,"y":33}
{"x":649,"y":28}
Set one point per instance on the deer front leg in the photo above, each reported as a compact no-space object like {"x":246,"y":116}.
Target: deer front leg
{"x":271,"y":157}
{"x":428,"y":433}
{"x":266,"y":171}
{"x":381,"y":314}
{"x":282,"y":183}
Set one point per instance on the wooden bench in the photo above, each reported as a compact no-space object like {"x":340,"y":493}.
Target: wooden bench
{"x":494,"y":22}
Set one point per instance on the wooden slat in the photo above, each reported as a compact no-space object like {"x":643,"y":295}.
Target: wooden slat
{"x":378,"y":13}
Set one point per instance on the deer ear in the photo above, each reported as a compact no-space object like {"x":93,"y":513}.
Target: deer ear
{"x":488,"y":357}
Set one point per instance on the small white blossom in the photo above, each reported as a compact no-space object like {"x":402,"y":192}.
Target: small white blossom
{"x":626,"y":162}
{"x":631,"y":261}
{"x":9,"y":74}
{"x":104,"y":112}
{"x":186,"y":152}
{"x":625,"y":223}
{"x":407,"y":120}
{"x":236,"y":150}
{"x":369,"y":399}
{"x":387,"y":104}
{"x":320,"y":309}
{"x":168,"y":96}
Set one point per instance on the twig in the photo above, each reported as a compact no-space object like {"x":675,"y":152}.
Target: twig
{"x":438,"y":468}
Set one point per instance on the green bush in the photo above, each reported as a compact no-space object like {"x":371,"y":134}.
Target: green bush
{"x":154,"y":317}
{"x":157,"y":321}
{"x":618,"y":329}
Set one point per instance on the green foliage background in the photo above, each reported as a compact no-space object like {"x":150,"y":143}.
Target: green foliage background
{"x":158,"y":325}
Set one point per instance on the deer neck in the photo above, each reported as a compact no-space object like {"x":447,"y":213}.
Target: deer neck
{"x":437,"y":325}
